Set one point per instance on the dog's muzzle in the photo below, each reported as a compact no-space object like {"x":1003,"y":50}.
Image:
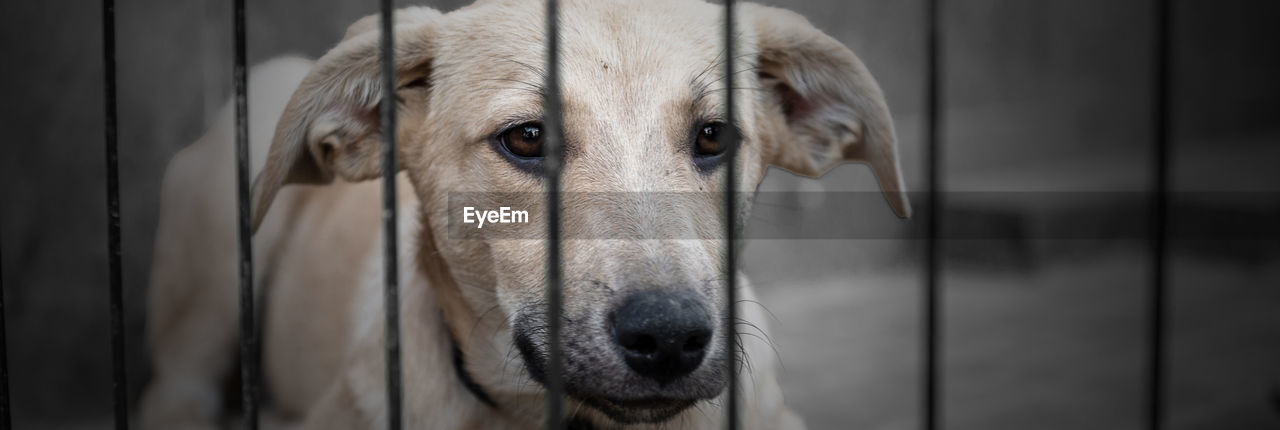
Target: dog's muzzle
{"x":646,"y":358}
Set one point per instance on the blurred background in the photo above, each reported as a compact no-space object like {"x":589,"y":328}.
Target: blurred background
{"x":1046,"y":299}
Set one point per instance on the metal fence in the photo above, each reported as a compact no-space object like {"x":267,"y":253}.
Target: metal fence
{"x":932,"y":306}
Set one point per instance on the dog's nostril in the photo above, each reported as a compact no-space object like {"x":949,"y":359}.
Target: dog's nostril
{"x":697,"y":341}
{"x":639,"y":344}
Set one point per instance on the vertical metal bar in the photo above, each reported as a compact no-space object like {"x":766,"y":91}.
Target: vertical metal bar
{"x":115,"y":297}
{"x":5,"y":423}
{"x":553,"y":126}
{"x":730,"y":221}
{"x":932,"y":306}
{"x":390,"y":257}
{"x":1160,"y":181}
{"x":249,"y":364}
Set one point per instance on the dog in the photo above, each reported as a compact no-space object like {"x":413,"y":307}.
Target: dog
{"x":643,"y":341}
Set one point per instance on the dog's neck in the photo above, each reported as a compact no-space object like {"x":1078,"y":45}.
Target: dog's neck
{"x":443,"y":286}
{"x":460,"y":322}
{"x":453,"y":309}
{"x":464,"y":376}
{"x":456,"y":313}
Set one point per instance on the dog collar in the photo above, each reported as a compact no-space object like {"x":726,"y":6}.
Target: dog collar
{"x":460,"y":368}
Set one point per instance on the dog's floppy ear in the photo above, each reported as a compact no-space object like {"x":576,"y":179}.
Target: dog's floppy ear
{"x":824,"y":106}
{"x":331,"y":124}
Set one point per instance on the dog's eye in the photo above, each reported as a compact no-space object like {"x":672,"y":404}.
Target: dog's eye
{"x":524,"y":140}
{"x":708,"y":143}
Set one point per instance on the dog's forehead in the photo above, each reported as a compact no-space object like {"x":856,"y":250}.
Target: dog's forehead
{"x":613,"y":52}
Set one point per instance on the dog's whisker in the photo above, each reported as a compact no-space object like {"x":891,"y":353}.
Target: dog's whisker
{"x":722,"y":89}
{"x":766,"y":338}
{"x":721,"y":77}
{"x":475,"y":324}
{"x":744,"y":361}
{"x":701,"y":411}
{"x":537,"y":70}
{"x":768,"y":342}
{"x":577,"y":406}
{"x":530,"y":87}
{"x":762,"y":306}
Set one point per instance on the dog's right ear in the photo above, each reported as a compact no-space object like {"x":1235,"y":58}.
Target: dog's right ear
{"x":828,"y":107}
{"x":331,"y":124}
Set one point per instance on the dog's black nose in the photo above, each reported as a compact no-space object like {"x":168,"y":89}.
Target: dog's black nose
{"x":663,"y":334}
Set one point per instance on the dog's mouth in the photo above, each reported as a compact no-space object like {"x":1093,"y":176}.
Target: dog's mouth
{"x":644,"y":410}
{"x":634,"y":404}
{"x":647,"y":409}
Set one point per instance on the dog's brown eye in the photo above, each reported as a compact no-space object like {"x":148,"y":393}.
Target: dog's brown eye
{"x":708,"y":142}
{"x":524,"y":140}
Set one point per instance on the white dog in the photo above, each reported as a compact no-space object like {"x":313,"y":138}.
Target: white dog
{"x":643,"y":93}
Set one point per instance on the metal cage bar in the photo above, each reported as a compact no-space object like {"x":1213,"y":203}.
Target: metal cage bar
{"x":5,"y":422}
{"x":1163,"y":18}
{"x":730,"y":222}
{"x":553,"y":143}
{"x":249,"y":363}
{"x":115,"y":296}
{"x":390,"y":257}
{"x":932,"y":298}
{"x":932,"y":302}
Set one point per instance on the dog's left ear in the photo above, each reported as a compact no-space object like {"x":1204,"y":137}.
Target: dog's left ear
{"x":822,"y":106}
{"x":330,"y":127}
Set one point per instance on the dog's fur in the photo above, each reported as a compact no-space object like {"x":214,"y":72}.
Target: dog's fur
{"x":637,"y":76}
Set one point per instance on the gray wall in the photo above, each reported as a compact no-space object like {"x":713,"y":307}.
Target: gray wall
{"x":1029,"y":84}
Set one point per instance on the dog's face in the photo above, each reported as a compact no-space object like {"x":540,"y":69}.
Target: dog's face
{"x":645,"y":126}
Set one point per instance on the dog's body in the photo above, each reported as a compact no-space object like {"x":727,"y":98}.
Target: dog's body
{"x":469,"y":308}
